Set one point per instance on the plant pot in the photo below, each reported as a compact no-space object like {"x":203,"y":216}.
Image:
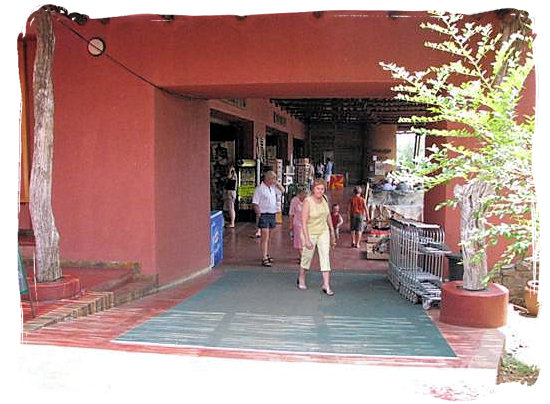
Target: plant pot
{"x":66,"y":287}
{"x":483,"y":308}
{"x":530,"y":295}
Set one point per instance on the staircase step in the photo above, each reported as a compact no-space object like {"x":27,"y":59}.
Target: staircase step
{"x":94,"y":301}
{"x":136,"y":289}
{"x":116,"y":283}
{"x":88,"y":303}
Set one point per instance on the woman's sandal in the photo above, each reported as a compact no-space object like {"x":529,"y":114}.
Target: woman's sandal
{"x":266,"y":262}
{"x":301,"y":287}
{"x":328,"y":292}
{"x":269,"y":259}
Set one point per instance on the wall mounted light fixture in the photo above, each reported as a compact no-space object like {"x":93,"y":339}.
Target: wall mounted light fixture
{"x":96,"y":46}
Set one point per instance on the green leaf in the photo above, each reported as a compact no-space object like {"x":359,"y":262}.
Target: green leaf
{"x":477,"y":89}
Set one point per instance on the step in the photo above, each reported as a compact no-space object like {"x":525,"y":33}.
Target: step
{"x":94,"y":301}
{"x":116,"y":283}
{"x":139,"y":287}
{"x":88,"y":303}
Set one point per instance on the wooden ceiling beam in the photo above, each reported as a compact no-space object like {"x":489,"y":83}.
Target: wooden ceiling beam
{"x":369,"y":110}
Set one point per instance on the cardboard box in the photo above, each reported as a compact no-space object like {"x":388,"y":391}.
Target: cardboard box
{"x":375,"y":255}
{"x":381,"y":224}
{"x":374,"y":236}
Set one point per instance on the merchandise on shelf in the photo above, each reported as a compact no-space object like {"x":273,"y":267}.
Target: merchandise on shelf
{"x":247,"y":181}
{"x":302,"y":172}
{"x":277,"y":167}
{"x":221,"y":156}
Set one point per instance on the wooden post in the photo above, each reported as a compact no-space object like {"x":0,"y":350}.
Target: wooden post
{"x":22,"y":52}
{"x":471,"y":198}
{"x":45,"y":232}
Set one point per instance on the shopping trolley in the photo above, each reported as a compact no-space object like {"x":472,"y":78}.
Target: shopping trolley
{"x":417,"y":251}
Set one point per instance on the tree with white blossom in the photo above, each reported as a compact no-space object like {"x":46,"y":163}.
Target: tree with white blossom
{"x":478,"y":92}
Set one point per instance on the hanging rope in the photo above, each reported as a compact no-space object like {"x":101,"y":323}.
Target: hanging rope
{"x":82,"y":19}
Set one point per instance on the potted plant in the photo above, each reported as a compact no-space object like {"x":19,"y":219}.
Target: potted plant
{"x":475,"y":95}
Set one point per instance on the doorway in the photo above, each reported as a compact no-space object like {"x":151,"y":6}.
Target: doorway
{"x":230,"y":142}
{"x":276,"y":144}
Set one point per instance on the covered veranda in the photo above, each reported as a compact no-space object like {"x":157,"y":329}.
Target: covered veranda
{"x":476,"y":349}
{"x":471,"y":374}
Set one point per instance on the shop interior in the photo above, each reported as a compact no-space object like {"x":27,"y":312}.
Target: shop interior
{"x":230,"y":140}
{"x":362,"y":138}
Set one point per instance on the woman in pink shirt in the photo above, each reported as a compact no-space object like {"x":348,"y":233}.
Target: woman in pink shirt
{"x":295,"y":216}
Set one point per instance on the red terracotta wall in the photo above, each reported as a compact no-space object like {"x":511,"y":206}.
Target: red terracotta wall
{"x":260,"y":111}
{"x":122,"y":191}
{"x":103,"y":193}
{"x":332,"y":53}
{"x":182,"y":188}
{"x":447,"y":217}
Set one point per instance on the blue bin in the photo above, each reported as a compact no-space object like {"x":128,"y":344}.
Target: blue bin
{"x":216,"y":237}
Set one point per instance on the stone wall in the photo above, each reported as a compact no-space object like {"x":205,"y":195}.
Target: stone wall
{"x":515,"y":277}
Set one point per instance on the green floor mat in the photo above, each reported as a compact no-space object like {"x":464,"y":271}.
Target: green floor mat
{"x":265,"y":311}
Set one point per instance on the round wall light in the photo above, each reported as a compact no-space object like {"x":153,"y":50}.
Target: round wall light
{"x":96,"y":46}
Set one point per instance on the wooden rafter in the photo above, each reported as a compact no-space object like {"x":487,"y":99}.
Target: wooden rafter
{"x":342,"y":110}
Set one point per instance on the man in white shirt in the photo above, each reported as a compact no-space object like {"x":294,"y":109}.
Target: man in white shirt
{"x":264,"y":202}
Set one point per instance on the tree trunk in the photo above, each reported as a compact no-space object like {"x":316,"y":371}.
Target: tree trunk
{"x":45,"y":232}
{"x":471,"y":198}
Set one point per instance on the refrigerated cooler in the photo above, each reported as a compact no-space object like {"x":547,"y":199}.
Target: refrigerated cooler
{"x":248,"y":178}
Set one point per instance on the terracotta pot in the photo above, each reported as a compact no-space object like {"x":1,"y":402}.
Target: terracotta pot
{"x":530,"y":294}
{"x":66,"y":287}
{"x":486,"y":308}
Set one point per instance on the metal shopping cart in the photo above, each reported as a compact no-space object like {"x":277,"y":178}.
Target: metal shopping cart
{"x":417,"y":251}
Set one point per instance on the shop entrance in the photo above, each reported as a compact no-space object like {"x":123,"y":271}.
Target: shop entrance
{"x":276,"y":144}
{"x":298,"y":148}
{"x":231,"y":142}
{"x":359,"y":137}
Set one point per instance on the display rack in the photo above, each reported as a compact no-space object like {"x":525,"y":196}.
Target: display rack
{"x":302,"y":172}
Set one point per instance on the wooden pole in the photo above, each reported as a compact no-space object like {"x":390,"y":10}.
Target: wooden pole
{"x":22,"y":52}
{"x":45,"y":232}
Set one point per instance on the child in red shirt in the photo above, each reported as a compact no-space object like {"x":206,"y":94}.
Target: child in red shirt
{"x":337,"y":219}
{"x":358,"y":212}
